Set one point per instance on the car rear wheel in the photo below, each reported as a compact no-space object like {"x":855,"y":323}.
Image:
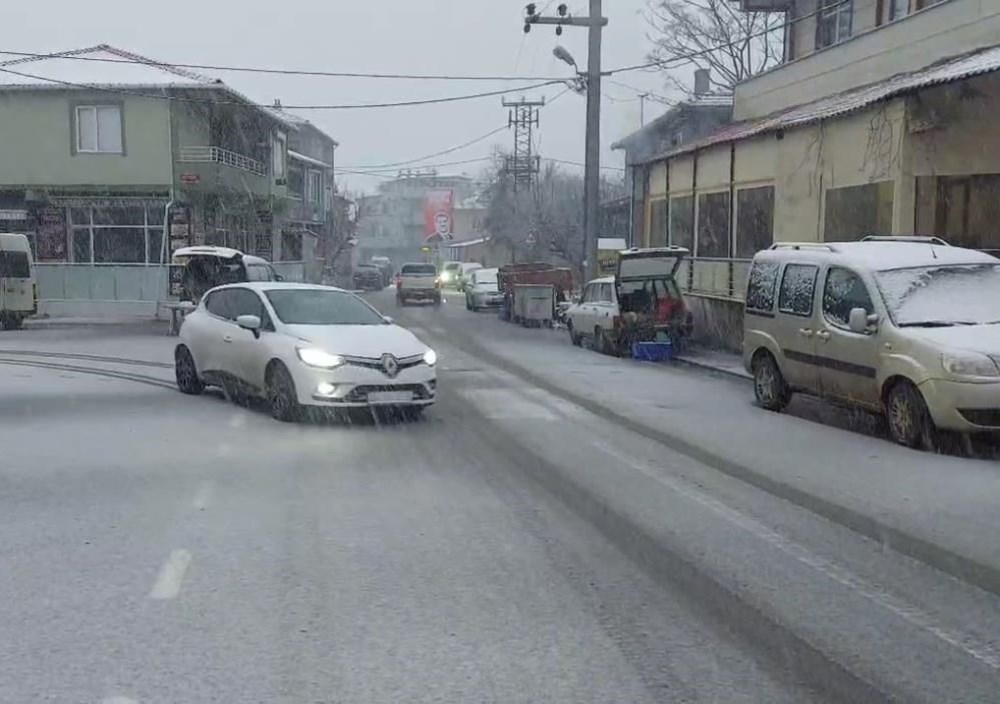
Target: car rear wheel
{"x":769,"y":385}
{"x":186,"y":373}
{"x":281,"y":395}
{"x":577,"y":340}
{"x":909,"y":422}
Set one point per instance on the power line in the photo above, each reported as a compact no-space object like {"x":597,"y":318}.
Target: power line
{"x":277,"y":71}
{"x":431,"y":156}
{"x":375,"y":172}
{"x":348,"y":106}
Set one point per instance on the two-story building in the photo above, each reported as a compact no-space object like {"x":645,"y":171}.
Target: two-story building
{"x":881,"y":119}
{"x":110,"y":160}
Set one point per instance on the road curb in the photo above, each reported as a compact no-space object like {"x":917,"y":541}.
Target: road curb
{"x":694,"y":362}
{"x":948,"y":561}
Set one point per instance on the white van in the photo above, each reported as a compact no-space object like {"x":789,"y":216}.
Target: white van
{"x":905,"y":326}
{"x":18,"y":291}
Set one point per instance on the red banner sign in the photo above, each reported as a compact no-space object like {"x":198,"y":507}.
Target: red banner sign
{"x":439,"y":216}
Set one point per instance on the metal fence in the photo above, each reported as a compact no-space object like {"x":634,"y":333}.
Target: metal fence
{"x":709,"y":276}
{"x":219,"y":155}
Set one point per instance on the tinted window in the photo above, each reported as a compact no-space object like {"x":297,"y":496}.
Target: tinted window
{"x":321,"y":307}
{"x":246,"y":302}
{"x":844,"y":291}
{"x":797,"y":288}
{"x":14,"y":264}
{"x":419,"y":269}
{"x":221,"y":303}
{"x":762,"y":282}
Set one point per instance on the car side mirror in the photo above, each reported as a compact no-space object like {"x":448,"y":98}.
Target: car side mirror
{"x":389,"y":319}
{"x":859,"y":321}
{"x":251,"y":323}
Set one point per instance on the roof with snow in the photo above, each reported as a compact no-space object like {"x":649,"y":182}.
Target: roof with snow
{"x":104,"y":67}
{"x":675,"y":113}
{"x":948,"y":70}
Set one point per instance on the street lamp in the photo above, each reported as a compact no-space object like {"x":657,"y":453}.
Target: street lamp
{"x":563,"y":55}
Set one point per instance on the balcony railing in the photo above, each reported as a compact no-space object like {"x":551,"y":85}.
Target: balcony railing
{"x":219,"y":155}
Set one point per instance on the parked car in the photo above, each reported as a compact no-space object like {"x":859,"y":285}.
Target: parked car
{"x":367,"y":277}
{"x":483,"y":290}
{"x":384,"y":265}
{"x":18,"y":289}
{"x":641,"y":303}
{"x":450,"y":273}
{"x":205,"y":267}
{"x":301,"y":345}
{"x":465,"y":274}
{"x":908,"y":327}
{"x":418,"y":282}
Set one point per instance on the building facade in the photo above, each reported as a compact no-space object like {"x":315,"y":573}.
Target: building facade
{"x":878,"y":122}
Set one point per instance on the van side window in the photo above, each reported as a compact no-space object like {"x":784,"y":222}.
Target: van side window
{"x":844,"y":290}
{"x":762,"y":282}
{"x":797,"y":288}
{"x":606,"y":295}
{"x":14,"y":264}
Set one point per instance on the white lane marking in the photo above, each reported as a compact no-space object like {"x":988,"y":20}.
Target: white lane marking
{"x":119,"y":700}
{"x":968,"y":644}
{"x":168,"y":582}
{"x":506,"y":404}
{"x":203,"y":498}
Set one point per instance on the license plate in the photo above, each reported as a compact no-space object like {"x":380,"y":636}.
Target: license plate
{"x":376,"y":397}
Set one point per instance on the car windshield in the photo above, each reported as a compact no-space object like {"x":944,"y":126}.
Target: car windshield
{"x":941,"y":296}
{"x":321,"y":307}
{"x":419,"y":269}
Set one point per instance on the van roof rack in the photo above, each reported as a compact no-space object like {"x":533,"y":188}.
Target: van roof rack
{"x":803,"y":245}
{"x":917,"y":239}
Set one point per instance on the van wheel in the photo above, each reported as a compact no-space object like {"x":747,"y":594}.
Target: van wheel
{"x":577,"y":340}
{"x":11,"y":322}
{"x":910,"y":424}
{"x":769,"y":385}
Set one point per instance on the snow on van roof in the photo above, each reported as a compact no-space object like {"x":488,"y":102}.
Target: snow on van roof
{"x":881,"y":256}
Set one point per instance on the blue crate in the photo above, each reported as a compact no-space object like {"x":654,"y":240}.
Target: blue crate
{"x":653,"y":351}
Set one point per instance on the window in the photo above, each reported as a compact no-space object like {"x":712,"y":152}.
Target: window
{"x":962,"y":209}
{"x":658,"y":223}
{"x":120,"y":234}
{"x":797,"y":289}
{"x":833,"y":23}
{"x":843,"y":292}
{"x":246,"y":302}
{"x":14,"y":264}
{"x":606,"y":295}
{"x":99,"y":129}
{"x":278,"y":156}
{"x":221,"y":303}
{"x":754,"y":220}
{"x":291,"y":246}
{"x":296,"y":182}
{"x":854,"y":211}
{"x":682,"y":221}
{"x":314,"y":187}
{"x":761,"y":284}
{"x":321,"y":307}
{"x":898,"y":9}
{"x":713,"y":225}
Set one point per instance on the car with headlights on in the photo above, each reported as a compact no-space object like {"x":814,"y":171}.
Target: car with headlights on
{"x":303,"y":345}
{"x":483,"y":290}
{"x":906,"y":326}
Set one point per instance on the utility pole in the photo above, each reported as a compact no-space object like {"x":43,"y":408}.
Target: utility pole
{"x":592,"y":156}
{"x":642,"y":109}
{"x":522,"y":166}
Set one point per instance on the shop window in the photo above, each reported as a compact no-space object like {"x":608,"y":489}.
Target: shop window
{"x":119,"y":244}
{"x":854,"y":211}
{"x":713,"y":225}
{"x":754,"y":220}
{"x":682,"y":221}
{"x":658,"y":223}
{"x":123,"y":235}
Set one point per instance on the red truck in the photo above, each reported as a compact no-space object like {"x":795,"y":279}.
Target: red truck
{"x":560,"y":278}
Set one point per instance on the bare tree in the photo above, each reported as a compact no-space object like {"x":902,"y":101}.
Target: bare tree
{"x":714,"y":35}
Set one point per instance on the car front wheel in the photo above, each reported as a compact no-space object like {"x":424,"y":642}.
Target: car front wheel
{"x":281,"y":395}
{"x":186,"y":373}
{"x":576,"y":339}
{"x":769,"y":385}
{"x":909,"y":422}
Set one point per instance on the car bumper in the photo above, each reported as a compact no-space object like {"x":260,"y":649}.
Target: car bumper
{"x":419,"y":294}
{"x":489,"y":301}
{"x":963,"y":406}
{"x":356,"y":386}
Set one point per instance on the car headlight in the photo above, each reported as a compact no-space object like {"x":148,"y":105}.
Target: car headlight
{"x":319,"y":358}
{"x":430,"y":358}
{"x":969,"y":364}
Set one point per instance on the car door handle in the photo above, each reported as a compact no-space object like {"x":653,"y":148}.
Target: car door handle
{"x":227,"y":338}
{"x":823,"y":335}
{"x":806,"y":332}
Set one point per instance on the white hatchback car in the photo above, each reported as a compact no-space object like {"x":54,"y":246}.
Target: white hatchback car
{"x":303,"y":345}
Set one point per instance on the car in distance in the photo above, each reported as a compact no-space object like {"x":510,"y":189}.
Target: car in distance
{"x":465,"y":270}
{"x":368,"y":277}
{"x":904,"y":326}
{"x":303,"y":345}
{"x":483,"y":290}
{"x":450,"y":274}
{"x":418,"y":282}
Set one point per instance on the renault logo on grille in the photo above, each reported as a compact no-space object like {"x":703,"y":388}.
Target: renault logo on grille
{"x":390,"y":365}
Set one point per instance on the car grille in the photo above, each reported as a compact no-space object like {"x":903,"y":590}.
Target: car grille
{"x":987,"y":417}
{"x":360,"y":393}
{"x":369,"y":363}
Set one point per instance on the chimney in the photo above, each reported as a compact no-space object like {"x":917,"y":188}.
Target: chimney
{"x":277,"y":103}
{"x":702,"y":83}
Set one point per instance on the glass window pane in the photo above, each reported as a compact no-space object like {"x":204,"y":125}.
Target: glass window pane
{"x":109,"y":129}
{"x":797,"y":289}
{"x":119,"y":244}
{"x":86,"y":129}
{"x":754,"y":220}
{"x":154,"y":252}
{"x":843,"y":292}
{"x":658,"y":223}
{"x":119,"y":216}
{"x":79,"y":216}
{"x":713,"y":225}
{"x":682,"y":221}
{"x":81,"y":245}
{"x":761,"y":284}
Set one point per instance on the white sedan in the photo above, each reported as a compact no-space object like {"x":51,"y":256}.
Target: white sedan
{"x":302,"y":345}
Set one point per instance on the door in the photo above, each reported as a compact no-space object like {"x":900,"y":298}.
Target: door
{"x":849,"y":359}
{"x":247,"y":352}
{"x":583,"y":314}
{"x":795,"y":326}
{"x":604,"y":310}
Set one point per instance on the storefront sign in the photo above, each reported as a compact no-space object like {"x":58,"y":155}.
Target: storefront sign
{"x":50,"y":240}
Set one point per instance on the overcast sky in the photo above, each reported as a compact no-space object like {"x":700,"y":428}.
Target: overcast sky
{"x":416,"y":36}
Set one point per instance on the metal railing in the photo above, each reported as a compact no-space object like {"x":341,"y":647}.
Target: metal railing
{"x":721,"y":277}
{"x":219,"y":155}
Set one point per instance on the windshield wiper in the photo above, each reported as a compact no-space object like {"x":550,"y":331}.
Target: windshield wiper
{"x":937,"y":323}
